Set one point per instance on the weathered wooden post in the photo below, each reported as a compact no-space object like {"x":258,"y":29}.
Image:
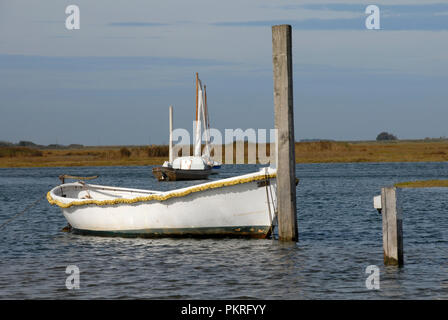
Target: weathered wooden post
{"x":284,"y":123}
{"x":392,"y":226}
{"x":171,"y":136}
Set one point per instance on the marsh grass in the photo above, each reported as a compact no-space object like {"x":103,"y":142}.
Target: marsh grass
{"x":125,"y":152}
{"x":394,"y":151}
{"x":19,"y":152}
{"x":306,"y":152}
{"x":423,"y":184}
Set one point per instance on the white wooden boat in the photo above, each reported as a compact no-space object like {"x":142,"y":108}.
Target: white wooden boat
{"x":238,"y":206}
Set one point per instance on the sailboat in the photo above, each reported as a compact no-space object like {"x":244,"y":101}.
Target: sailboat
{"x":196,"y":167}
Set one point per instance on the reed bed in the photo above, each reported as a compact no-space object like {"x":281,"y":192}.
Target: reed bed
{"x":306,"y":152}
{"x":423,"y":184}
{"x":19,"y":152}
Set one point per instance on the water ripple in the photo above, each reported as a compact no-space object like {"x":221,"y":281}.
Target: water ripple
{"x":340,"y":235}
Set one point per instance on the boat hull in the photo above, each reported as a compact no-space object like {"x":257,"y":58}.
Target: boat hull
{"x":170,"y":174}
{"x":259,"y":232}
{"x":216,"y":209}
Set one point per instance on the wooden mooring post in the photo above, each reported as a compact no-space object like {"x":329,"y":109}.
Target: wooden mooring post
{"x":284,"y":123}
{"x":392,"y":226}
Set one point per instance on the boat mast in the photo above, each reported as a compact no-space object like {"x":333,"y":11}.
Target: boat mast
{"x":197,"y":77}
{"x":196,"y":118}
{"x":171,"y":136}
{"x":206,"y":112}
{"x":199,"y":109}
{"x":205,"y":108}
{"x":206,"y":124}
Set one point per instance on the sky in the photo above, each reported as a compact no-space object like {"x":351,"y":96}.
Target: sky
{"x":111,"y":81}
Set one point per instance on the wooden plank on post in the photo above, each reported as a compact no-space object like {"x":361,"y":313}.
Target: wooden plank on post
{"x":392,"y":226}
{"x":284,"y":123}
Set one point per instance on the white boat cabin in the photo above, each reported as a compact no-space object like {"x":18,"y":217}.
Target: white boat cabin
{"x":189,"y":163}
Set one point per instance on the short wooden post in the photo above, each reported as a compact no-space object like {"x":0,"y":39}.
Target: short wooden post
{"x":392,"y":226}
{"x":284,"y":123}
{"x":171,"y":158}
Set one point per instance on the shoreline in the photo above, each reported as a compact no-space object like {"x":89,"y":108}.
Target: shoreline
{"x":441,"y":183}
{"x":306,"y":152}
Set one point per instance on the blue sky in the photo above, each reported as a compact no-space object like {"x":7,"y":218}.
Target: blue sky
{"x":111,"y":82}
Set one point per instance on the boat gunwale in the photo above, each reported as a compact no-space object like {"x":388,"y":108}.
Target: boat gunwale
{"x":263,"y":174}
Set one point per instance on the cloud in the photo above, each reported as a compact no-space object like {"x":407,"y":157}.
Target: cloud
{"x":395,"y":23}
{"x":136,"y":24}
{"x":307,"y":24}
{"x":427,"y":17}
{"x":61,"y":22}
{"x":398,"y":9}
{"x":32,"y":62}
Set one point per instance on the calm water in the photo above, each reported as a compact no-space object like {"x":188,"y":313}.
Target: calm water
{"x":340,"y":235}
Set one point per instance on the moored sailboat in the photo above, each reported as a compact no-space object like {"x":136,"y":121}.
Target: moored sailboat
{"x":200,"y":165}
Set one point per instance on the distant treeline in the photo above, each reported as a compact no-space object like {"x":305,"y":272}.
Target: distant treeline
{"x":30,"y":144}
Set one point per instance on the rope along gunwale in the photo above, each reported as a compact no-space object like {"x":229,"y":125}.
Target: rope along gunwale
{"x":157,"y":196}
